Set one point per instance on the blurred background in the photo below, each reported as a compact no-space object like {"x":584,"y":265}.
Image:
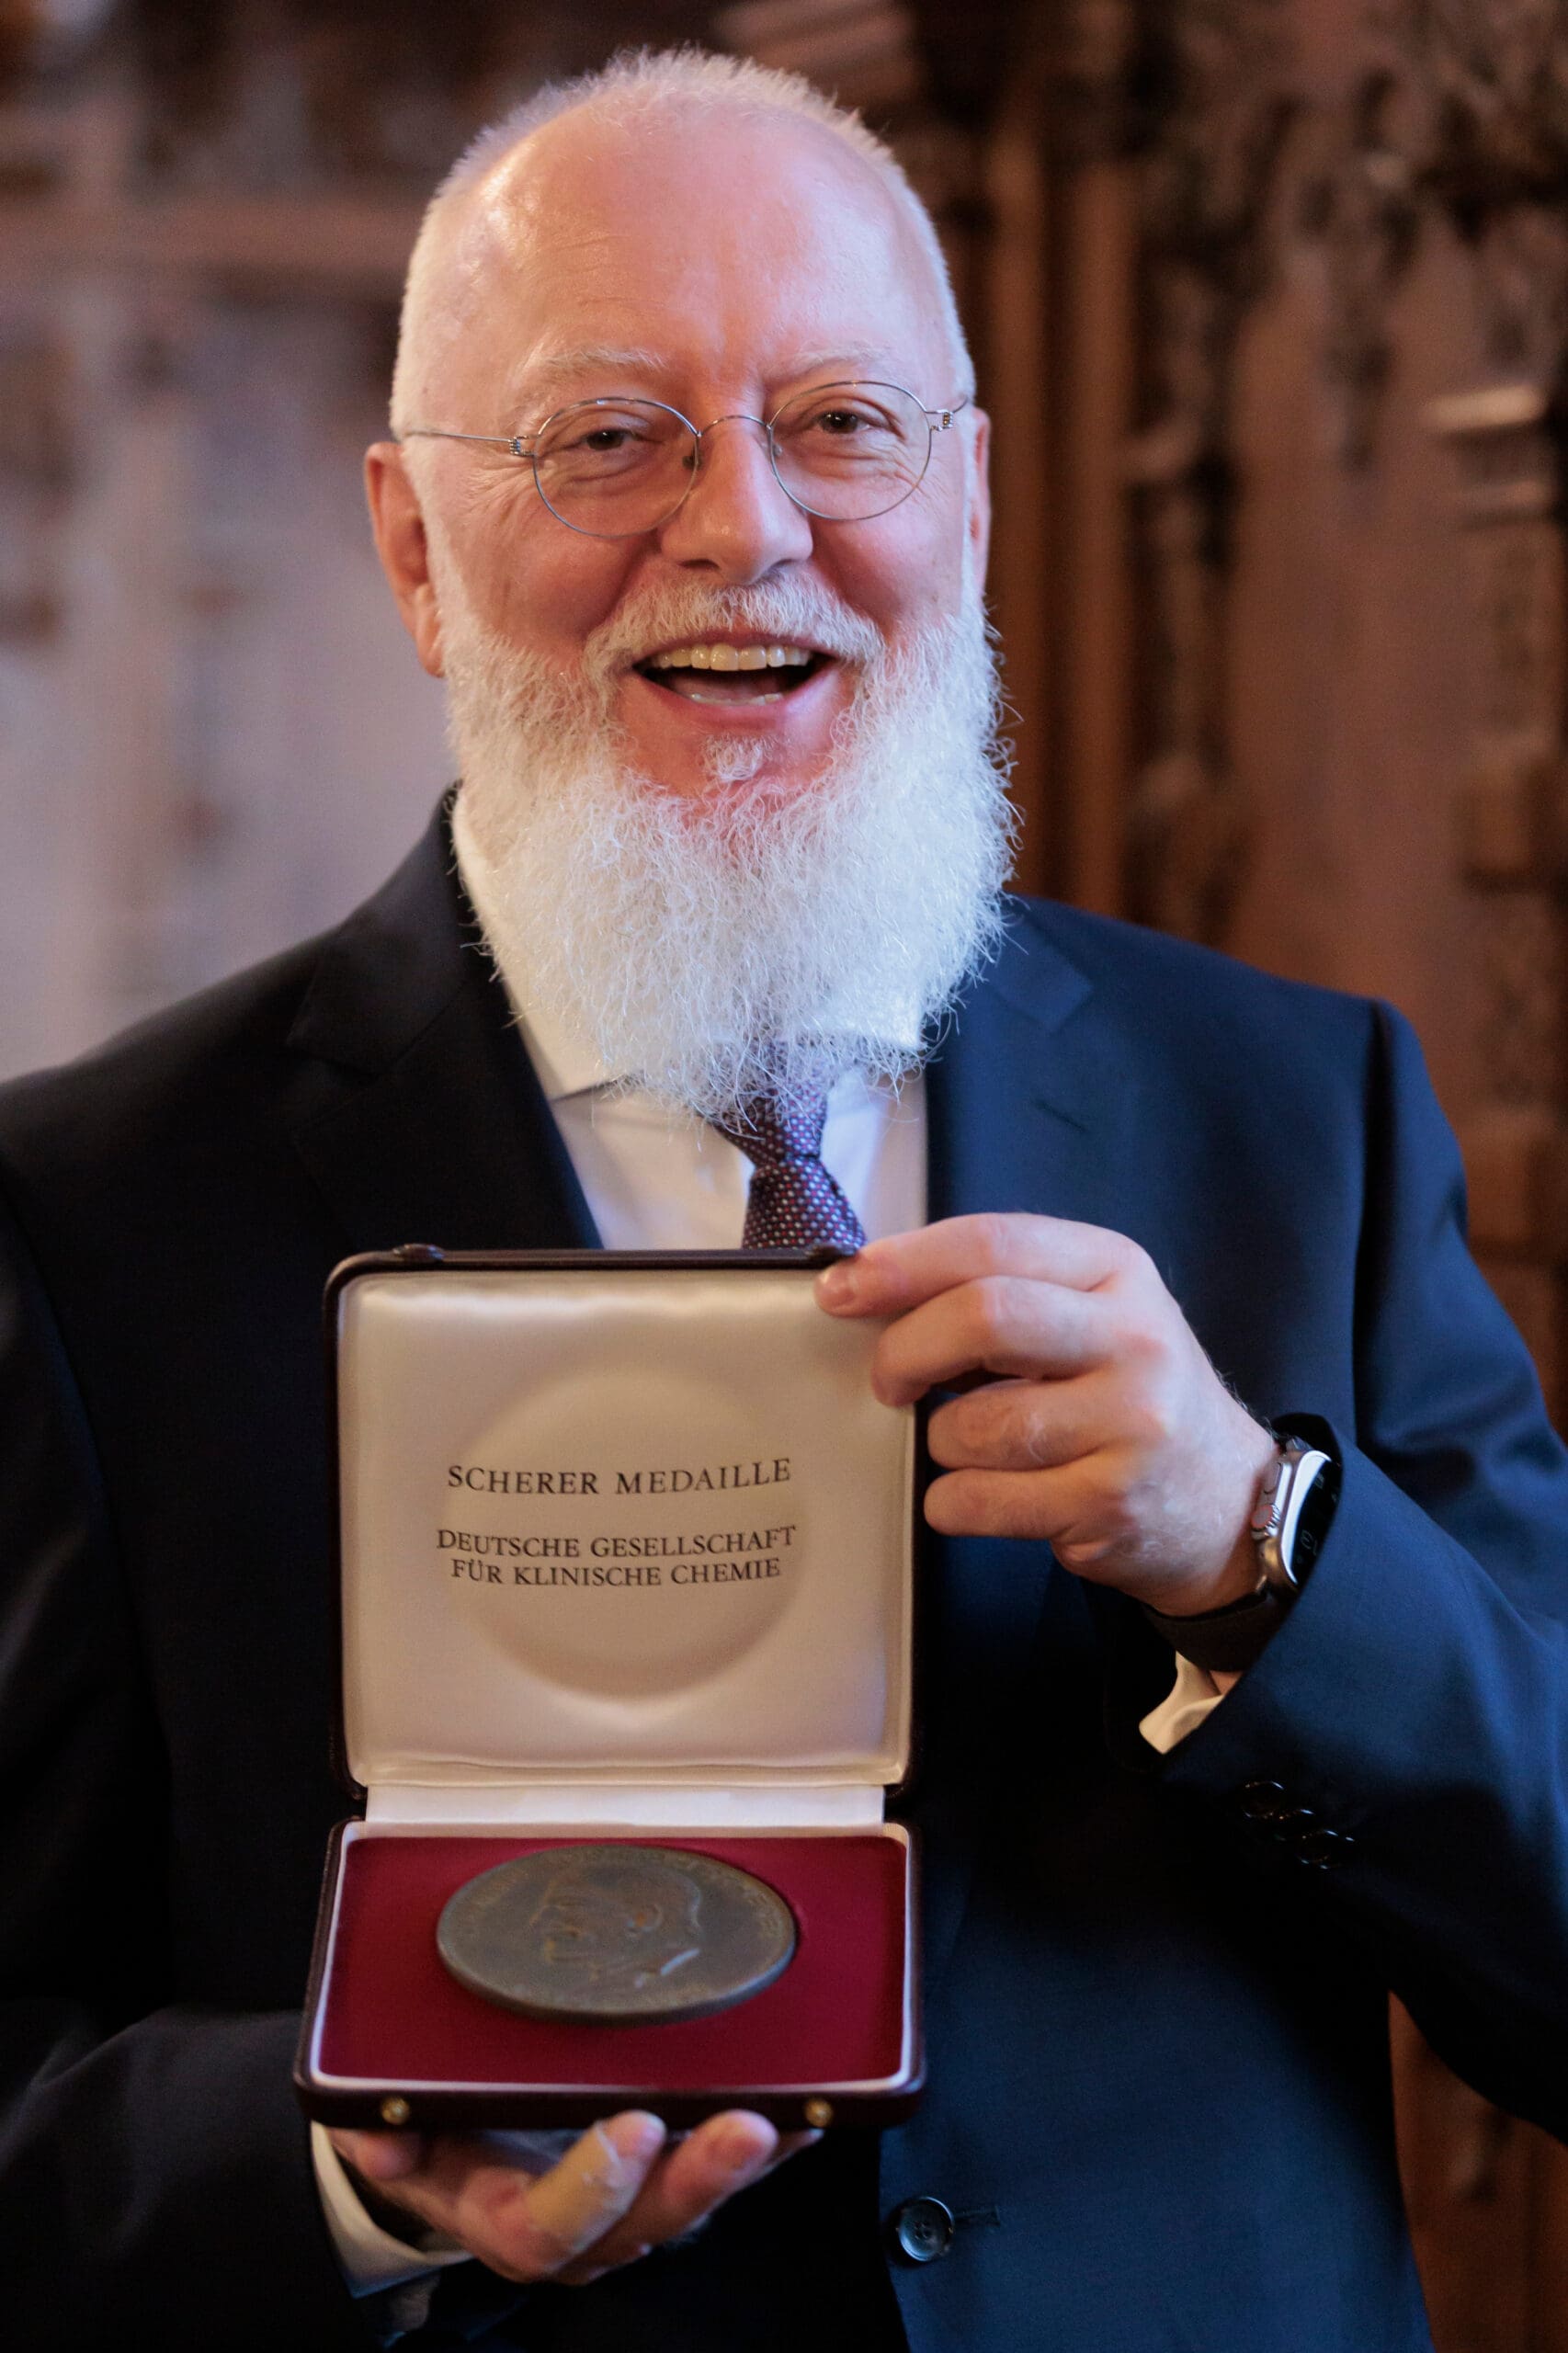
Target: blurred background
{"x":1270,"y":304}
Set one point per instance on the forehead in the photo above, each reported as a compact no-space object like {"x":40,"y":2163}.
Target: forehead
{"x":729,"y":250}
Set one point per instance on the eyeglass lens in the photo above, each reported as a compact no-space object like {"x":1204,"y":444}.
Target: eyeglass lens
{"x":843,"y":451}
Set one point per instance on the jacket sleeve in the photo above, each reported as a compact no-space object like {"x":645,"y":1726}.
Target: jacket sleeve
{"x":1400,"y":1751}
{"x":155,"y":2179}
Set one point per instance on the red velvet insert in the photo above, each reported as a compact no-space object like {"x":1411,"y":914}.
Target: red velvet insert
{"x":392,"y":2015}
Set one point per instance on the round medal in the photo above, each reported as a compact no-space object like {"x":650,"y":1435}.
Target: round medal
{"x":616,"y":1935}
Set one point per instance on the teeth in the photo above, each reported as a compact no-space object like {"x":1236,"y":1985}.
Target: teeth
{"x":720,"y":656}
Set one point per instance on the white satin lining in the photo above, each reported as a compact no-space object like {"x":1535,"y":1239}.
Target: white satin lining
{"x":464,"y":1666}
{"x":673,"y":1806}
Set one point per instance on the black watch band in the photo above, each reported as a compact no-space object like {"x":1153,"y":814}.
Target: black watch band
{"x":1224,"y":1641}
{"x":1288,"y":1537}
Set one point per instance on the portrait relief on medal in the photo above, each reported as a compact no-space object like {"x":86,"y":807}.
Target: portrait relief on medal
{"x":616,"y":1935}
{"x":636,"y":1927}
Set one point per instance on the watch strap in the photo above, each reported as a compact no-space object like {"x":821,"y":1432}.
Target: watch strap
{"x":1289,"y":1522}
{"x":1226,"y":1641}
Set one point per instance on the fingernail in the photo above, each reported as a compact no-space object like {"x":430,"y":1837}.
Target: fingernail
{"x":740,"y":2151}
{"x":634,"y":2135}
{"x":838,"y":1284}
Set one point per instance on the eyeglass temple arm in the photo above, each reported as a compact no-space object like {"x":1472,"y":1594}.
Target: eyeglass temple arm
{"x":438,"y":433}
{"x":940,"y":418}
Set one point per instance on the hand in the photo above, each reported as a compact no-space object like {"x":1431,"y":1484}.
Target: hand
{"x":617,"y":2192}
{"x":1106,"y":1430}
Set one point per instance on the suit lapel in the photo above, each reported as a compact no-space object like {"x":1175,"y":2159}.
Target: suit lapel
{"x":1026,"y":1108}
{"x":416,"y":1109}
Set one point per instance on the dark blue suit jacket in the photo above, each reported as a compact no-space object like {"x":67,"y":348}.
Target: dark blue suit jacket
{"x":1159,"y":2100}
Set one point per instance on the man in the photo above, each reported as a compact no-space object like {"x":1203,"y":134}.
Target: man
{"x":687,"y":503}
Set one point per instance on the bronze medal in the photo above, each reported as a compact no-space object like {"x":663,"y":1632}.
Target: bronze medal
{"x":616,"y":1935}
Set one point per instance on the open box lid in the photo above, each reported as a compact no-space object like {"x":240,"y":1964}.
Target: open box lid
{"x":617,"y":1517}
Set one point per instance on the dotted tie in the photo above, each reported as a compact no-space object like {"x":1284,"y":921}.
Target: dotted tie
{"x":794,"y":1203}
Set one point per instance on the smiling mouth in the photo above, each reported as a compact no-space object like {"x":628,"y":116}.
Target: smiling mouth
{"x":720,"y":672}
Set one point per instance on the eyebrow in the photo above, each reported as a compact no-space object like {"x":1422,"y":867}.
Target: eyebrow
{"x":561,"y":370}
{"x":557,"y":368}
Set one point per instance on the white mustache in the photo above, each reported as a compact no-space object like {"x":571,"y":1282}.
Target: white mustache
{"x":787,"y":612}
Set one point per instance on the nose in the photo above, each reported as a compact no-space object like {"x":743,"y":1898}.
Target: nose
{"x":737,"y":520}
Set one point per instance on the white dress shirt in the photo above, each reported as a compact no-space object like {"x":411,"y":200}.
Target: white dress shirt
{"x":656,"y":1180}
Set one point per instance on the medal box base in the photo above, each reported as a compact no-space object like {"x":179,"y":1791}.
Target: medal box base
{"x":391,"y":2037}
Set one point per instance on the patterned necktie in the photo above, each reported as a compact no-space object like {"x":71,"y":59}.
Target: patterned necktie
{"x":794,"y":1203}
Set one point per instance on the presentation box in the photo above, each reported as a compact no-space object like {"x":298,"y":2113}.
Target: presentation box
{"x":627,"y":1562}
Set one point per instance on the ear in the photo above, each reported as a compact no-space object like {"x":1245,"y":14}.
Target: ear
{"x":402,"y":545}
{"x":978,"y":524}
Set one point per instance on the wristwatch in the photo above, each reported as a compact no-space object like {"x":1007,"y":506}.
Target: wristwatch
{"x":1290,"y":1520}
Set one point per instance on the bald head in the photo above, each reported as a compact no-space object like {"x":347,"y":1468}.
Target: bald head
{"x":648,"y":139}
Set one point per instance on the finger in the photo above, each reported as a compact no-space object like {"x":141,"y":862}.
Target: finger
{"x":1021,"y":1425}
{"x":1076,"y":1508}
{"x":632,"y":2238}
{"x":889,"y":1277}
{"x":1001,"y":1324}
{"x":532,"y":2227}
{"x":381,"y":2156}
{"x":691,"y":2181}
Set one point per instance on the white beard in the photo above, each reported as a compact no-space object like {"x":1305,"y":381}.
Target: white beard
{"x":751,"y":938}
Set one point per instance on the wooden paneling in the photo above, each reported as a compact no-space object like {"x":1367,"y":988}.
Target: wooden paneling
{"x":1014,"y":304}
{"x":1329,"y":278}
{"x":1096,"y":658}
